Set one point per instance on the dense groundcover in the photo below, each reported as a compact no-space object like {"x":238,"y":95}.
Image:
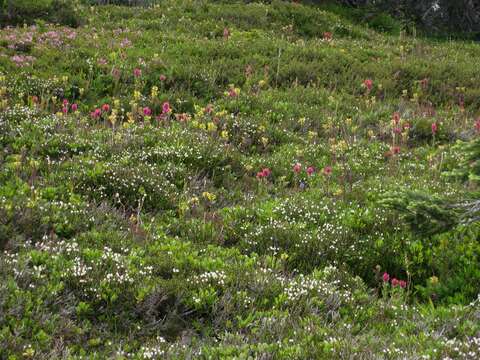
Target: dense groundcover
{"x":208,"y":180}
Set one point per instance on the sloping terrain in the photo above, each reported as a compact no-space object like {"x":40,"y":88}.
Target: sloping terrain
{"x":206,"y":180}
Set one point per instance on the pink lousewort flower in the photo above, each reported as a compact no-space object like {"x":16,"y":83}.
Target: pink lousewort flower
{"x":394,"y":282}
{"x":147,"y":111}
{"x":368,"y":84}
{"x":396,"y":118}
{"x":163,"y":77}
{"x":96,"y":113}
{"x":477,"y":125}
{"x":397,"y":130}
{"x":105,"y":107}
{"x":327,"y":36}
{"x":327,"y":170}
{"x":403,"y":284}
{"x":65,"y":110}
{"x":74,"y":107}
{"x":137,"y":72}
{"x":297,"y":168}
{"x":310,"y":170}
{"x":226,"y":33}
{"x":65,"y":102}
{"x":385,"y":277}
{"x":434,"y":128}
{"x":461,"y":101}
{"x":116,"y":73}
{"x":208,"y":109}
{"x":35,"y":99}
{"x":264,"y":173}
{"x":395,"y":150}
{"x":424,"y":83}
{"x":166,"y":108}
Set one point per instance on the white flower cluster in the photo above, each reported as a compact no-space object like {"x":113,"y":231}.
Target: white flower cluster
{"x":211,"y":277}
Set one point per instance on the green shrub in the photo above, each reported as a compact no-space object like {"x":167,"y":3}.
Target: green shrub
{"x":14,"y":12}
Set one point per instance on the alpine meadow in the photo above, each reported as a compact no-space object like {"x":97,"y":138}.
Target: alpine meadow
{"x":199,"y":179}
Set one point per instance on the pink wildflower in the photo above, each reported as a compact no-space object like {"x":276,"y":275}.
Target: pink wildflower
{"x":226,"y":33}
{"x":368,"y":84}
{"x":297,"y":168}
{"x":166,"y":108}
{"x":96,"y":113}
{"x":327,"y":170}
{"x":147,"y":111}
{"x":396,"y":118}
{"x":477,"y":125}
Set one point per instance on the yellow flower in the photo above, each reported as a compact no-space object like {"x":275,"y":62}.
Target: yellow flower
{"x":59,"y":114}
{"x":29,"y":352}
{"x":348,"y":122}
{"x":312,"y":134}
{"x":342,"y":145}
{"x":81,"y":90}
{"x":116,"y":103}
{"x":154,"y":91}
{"x":434,"y":280}
{"x":224,"y":134}
{"x":64,"y":79}
{"x":137,"y":95}
{"x":264,"y":141}
{"x":262,"y":83}
{"x":261,"y":128}
{"x":248,"y":167}
{"x":302,"y":120}
{"x":371,"y":134}
{"x":212,"y":127}
{"x":209,"y":196}
{"x":113,"y":118}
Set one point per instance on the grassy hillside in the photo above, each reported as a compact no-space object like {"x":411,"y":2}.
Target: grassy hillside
{"x":206,"y":179}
